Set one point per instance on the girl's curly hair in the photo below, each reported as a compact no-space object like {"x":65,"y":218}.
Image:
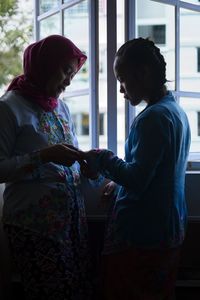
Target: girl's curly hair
{"x":140,"y":51}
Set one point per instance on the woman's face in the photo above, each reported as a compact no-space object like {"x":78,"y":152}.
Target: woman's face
{"x":131,"y":83}
{"x":62,"y":78}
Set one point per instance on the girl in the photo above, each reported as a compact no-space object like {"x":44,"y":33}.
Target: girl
{"x":147,"y":224}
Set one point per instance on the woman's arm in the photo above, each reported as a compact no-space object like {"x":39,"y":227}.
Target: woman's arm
{"x":15,"y":167}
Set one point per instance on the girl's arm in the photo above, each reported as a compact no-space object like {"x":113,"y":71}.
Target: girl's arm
{"x":147,"y":151}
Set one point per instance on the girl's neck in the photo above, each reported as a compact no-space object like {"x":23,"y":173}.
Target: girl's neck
{"x":155,"y":96}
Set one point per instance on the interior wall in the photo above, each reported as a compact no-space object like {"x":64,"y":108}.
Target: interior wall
{"x":94,"y":208}
{"x":192,"y":192}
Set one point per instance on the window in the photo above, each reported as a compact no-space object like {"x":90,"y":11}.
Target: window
{"x":156,"y":33}
{"x":101,"y":124}
{"x":198,"y":59}
{"x":198,"y":123}
{"x":101,"y":116}
{"x":81,"y":122}
{"x":85,"y":124}
{"x":181,"y":52}
{"x":46,"y":5}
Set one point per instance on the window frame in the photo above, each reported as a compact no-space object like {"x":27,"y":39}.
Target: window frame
{"x":194,"y":157}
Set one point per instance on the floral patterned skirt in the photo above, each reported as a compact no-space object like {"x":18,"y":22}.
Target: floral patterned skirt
{"x":48,"y":269}
{"x":139,"y":274}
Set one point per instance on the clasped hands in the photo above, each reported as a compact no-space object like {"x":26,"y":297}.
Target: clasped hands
{"x":66,"y":154}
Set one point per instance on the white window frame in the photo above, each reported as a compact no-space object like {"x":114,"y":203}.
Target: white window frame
{"x":194,"y":157}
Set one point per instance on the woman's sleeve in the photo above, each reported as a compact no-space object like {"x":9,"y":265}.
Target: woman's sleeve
{"x":14,"y":167}
{"x":147,"y":152}
{"x":93,"y":182}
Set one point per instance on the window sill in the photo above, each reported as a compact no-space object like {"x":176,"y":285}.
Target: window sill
{"x":193,"y":166}
{"x":193,"y":162}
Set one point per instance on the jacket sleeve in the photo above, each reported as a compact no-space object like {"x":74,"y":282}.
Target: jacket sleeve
{"x":147,"y":150}
{"x":14,"y":167}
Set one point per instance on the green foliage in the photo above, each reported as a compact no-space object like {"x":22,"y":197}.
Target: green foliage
{"x":15,"y":33}
{"x":7,"y":8}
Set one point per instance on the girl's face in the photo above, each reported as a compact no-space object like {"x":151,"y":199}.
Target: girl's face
{"x":62,"y":78}
{"x":131,"y":82}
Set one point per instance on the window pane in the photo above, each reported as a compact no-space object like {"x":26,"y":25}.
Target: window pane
{"x":156,"y":32}
{"x":50,"y":25}
{"x":76,"y":28}
{"x":189,"y":51}
{"x":192,"y":109}
{"x":101,"y":124}
{"x":46,"y":5}
{"x":198,"y":59}
{"x":156,"y":21}
{"x":140,"y":107}
{"x":79,"y":108}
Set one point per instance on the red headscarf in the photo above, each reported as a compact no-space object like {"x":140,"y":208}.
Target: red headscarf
{"x":41,"y":61}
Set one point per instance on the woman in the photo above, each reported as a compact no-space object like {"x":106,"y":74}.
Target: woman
{"x":147,"y":224}
{"x":44,"y":214}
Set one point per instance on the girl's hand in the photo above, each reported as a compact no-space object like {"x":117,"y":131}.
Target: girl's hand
{"x":90,"y":155}
{"x":108,"y":192}
{"x":89,"y":163}
{"x":87,"y":171}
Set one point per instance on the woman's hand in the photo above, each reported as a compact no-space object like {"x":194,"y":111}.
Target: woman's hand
{"x":62,"y":154}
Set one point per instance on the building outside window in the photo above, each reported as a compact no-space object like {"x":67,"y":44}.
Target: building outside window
{"x":156,"y":33}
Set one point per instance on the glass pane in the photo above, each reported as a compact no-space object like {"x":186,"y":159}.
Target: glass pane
{"x":120,"y":97}
{"x":156,"y":21}
{"x":189,"y":50}
{"x":76,"y":28}
{"x":67,"y":1}
{"x":79,"y":109}
{"x":103,"y":71}
{"x":140,"y":107}
{"x":192,"y":109}
{"x":46,"y":5}
{"x":50,"y":25}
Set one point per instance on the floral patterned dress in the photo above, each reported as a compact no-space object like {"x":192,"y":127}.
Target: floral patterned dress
{"x":44,"y":212}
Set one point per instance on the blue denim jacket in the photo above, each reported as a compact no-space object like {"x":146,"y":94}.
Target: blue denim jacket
{"x":150,"y":209}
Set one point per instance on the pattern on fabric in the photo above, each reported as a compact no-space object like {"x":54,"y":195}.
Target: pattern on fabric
{"x":51,"y":270}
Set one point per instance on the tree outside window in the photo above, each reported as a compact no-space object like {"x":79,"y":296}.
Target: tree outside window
{"x":16,"y":28}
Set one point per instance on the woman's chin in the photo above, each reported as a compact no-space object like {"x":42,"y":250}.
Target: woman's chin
{"x":57,"y":94}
